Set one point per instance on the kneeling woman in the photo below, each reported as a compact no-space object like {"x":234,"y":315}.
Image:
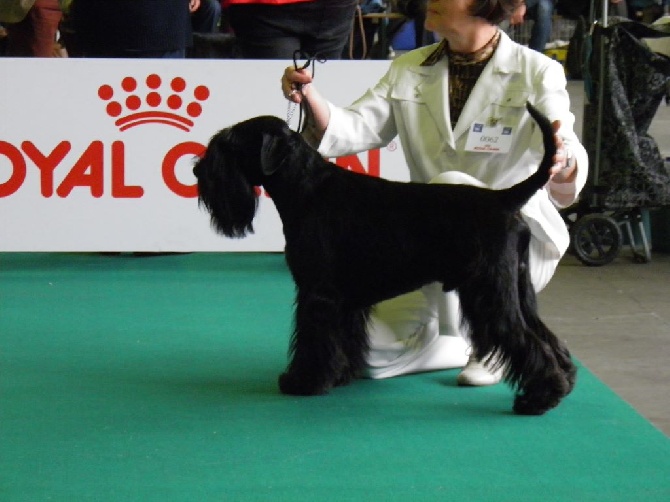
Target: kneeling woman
{"x":431,"y":98}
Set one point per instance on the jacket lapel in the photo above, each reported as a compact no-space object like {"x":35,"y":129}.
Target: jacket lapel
{"x":491,"y":85}
{"x":433,"y":88}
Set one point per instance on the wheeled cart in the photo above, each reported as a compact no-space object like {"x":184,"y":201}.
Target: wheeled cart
{"x":625,"y":82}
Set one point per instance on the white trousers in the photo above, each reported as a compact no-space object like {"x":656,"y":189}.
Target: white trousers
{"x":421,"y":330}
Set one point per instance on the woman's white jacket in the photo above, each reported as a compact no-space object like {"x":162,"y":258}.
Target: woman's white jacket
{"x":411,"y":102}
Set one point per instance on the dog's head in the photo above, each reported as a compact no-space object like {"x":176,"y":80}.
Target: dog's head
{"x":237,"y":160}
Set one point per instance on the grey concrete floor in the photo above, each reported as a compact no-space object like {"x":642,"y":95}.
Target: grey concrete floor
{"x":616,"y":318}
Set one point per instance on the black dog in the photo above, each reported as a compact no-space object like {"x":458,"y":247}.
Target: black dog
{"x":353,"y":240}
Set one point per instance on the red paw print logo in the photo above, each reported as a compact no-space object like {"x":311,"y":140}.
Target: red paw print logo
{"x":154,"y":101}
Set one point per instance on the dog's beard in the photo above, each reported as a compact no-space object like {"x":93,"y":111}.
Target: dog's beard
{"x":228,"y":196}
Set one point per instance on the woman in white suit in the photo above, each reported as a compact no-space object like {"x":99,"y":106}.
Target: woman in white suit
{"x":440,"y":101}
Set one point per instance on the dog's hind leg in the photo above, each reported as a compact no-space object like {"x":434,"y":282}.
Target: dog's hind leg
{"x":533,"y":389}
{"x":499,"y":308}
{"x":328,"y":347}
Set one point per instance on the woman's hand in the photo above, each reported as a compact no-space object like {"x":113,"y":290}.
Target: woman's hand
{"x":193,"y":5}
{"x":294,"y":83}
{"x":565,"y":165}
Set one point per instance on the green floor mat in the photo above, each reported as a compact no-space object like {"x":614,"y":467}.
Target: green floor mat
{"x":154,"y":379}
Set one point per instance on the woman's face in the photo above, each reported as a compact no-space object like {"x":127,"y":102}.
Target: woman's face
{"x":448,"y":16}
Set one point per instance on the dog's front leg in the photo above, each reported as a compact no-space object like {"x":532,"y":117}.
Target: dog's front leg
{"x":328,"y":347}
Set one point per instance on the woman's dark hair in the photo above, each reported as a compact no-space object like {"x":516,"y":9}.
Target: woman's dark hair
{"x":494,"y":11}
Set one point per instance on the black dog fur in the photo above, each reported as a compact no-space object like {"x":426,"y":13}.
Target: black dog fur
{"x":353,"y":240}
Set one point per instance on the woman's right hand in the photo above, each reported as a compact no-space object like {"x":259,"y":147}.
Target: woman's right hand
{"x":294,"y":83}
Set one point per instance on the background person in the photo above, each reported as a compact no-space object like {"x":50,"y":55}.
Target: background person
{"x":542,"y":14}
{"x":274,"y":29}
{"x":206,"y":18}
{"x":133,"y":28}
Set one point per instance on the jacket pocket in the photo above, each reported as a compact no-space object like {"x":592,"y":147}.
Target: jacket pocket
{"x":509,"y":109}
{"x":407,"y":92}
{"x":514,"y":98}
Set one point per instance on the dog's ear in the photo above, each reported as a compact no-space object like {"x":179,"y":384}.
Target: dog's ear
{"x":275,"y":152}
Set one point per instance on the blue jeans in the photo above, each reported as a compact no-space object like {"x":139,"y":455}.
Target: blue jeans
{"x":541,"y":12}
{"x":206,"y":18}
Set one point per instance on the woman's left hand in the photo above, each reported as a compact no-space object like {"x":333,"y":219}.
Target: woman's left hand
{"x":565,"y":165}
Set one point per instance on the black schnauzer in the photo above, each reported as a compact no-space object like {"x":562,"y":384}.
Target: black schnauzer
{"x":353,"y":240}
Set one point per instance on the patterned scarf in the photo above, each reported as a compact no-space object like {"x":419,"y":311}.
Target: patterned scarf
{"x":464,"y":70}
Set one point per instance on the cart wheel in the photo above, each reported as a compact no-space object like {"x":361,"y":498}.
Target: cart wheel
{"x":596,"y":239}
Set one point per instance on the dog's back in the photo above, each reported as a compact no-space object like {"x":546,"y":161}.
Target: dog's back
{"x":507,"y":200}
{"x":264,"y":151}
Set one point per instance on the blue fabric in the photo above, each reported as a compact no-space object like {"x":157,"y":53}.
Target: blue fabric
{"x":372,"y":6}
{"x":541,"y":12}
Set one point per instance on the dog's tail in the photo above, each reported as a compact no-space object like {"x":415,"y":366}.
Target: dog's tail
{"x":516,"y":196}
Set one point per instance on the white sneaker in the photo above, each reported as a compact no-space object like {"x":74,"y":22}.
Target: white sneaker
{"x":477,"y":373}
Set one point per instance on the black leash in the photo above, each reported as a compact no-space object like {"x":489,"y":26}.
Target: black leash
{"x":302,"y":61}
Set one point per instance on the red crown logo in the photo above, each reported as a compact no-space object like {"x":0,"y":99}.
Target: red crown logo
{"x":171,"y":104}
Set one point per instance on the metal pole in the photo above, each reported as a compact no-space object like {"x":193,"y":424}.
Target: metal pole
{"x":601,"y":93}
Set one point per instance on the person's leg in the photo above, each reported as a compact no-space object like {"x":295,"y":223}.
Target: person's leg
{"x":276,"y":31}
{"x":530,"y":4}
{"x":265,"y":31}
{"x":206,"y":18}
{"x":327,"y":26}
{"x":542,"y":14}
{"x":404,"y":337}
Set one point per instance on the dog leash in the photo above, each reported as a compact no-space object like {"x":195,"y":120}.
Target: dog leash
{"x":300,"y":55}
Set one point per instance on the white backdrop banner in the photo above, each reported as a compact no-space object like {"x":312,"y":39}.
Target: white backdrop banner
{"x":97,"y":155}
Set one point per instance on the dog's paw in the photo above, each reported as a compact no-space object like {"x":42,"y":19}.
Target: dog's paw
{"x":570,"y":377}
{"x":525,"y":404}
{"x":297,"y":385}
{"x":569,"y":372}
{"x":345,"y":379}
{"x":539,"y":397}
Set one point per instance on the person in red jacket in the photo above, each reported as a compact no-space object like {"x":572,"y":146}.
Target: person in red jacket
{"x":275,"y":29}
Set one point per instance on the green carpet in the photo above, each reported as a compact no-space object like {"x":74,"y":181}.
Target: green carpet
{"x":154,"y":379}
